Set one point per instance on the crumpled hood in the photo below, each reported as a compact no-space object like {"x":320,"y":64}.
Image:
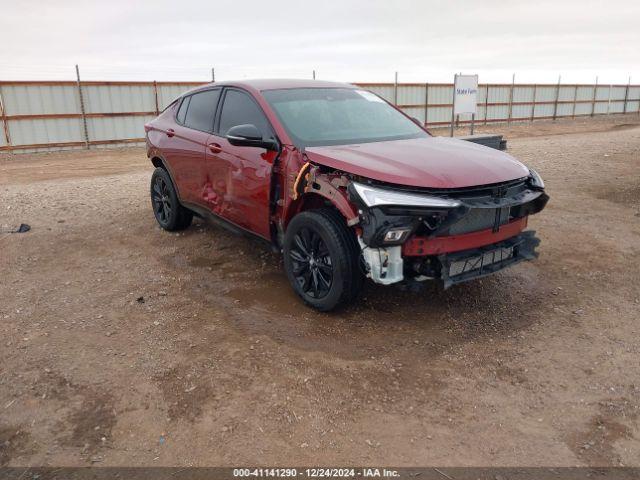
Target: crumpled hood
{"x":434,"y":162}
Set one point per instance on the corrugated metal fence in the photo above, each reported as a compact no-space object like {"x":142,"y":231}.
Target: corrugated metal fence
{"x":40,"y":115}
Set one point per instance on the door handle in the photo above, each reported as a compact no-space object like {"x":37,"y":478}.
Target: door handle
{"x":215,"y":147}
{"x":171,"y":132}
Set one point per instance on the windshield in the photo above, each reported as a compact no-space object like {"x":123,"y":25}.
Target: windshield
{"x":339,"y":116}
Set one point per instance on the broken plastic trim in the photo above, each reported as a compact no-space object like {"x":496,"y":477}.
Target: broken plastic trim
{"x":535,"y":180}
{"x":385,"y":265}
{"x":520,"y":198}
{"x":522,"y":248}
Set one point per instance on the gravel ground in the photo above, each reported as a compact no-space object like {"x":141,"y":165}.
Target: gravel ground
{"x":122,"y":344}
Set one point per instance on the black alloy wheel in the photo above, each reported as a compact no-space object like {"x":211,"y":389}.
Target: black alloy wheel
{"x":169,"y":214}
{"x":312,"y":265}
{"x":162,"y":207}
{"x":321,"y":257}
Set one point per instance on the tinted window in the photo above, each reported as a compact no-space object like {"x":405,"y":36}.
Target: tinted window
{"x":182,"y":112}
{"x":339,"y":116}
{"x":202,"y":109}
{"x":240,"y":109}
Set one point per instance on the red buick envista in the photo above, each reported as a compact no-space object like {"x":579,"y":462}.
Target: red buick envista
{"x":343,"y":183}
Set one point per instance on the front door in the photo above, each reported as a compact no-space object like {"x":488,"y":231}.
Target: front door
{"x":238,"y":179}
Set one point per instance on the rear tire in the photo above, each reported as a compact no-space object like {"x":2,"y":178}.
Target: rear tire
{"x":169,"y":214}
{"x":321,"y":258}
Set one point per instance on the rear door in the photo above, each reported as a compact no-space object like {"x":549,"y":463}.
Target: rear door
{"x":185,"y":148}
{"x":239,"y":178}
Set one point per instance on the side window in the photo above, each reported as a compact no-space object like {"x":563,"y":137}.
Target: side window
{"x":240,"y":109}
{"x":201,"y":110}
{"x":182,"y":111}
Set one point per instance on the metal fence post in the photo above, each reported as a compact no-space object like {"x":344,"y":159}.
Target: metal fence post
{"x":513,"y":81}
{"x":486,"y":105}
{"x":453,"y":104}
{"x":395,"y":90}
{"x":313,"y":75}
{"x":82,"y":110}
{"x":575,"y":100}
{"x":609,"y":101}
{"x":595,"y":94}
{"x":426,"y":104}
{"x":5,"y":122}
{"x":213,"y":74}
{"x":555,"y":104}
{"x":155,"y":95}
{"x":533,"y":104}
{"x":626,"y":96}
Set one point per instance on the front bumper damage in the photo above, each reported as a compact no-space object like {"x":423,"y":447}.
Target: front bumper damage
{"x":387,"y":265}
{"x":471,"y":264}
{"x":481,"y":233}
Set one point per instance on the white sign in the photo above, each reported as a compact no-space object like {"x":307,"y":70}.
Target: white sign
{"x":465,"y":94}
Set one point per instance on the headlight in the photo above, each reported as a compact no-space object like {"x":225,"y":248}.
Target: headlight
{"x":374,"y":197}
{"x":536,"y":180}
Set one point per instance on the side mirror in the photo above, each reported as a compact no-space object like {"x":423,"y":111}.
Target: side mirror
{"x":248,"y":135}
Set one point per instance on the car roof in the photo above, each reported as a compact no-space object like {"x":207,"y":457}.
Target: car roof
{"x":280,"y":83}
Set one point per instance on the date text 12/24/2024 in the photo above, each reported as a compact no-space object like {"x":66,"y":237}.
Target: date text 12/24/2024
{"x":315,"y":472}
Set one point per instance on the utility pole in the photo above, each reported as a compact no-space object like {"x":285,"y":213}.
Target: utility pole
{"x":213,"y":74}
{"x":314,"y":74}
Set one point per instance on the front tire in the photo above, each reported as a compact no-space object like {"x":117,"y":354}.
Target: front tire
{"x":169,"y":214}
{"x":321,"y":259}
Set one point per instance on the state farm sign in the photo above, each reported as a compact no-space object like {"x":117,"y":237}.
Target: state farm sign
{"x":465,"y":94}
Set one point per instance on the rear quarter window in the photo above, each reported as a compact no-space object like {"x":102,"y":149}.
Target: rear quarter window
{"x":182,"y":111}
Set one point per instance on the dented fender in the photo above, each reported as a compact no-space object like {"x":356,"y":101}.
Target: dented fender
{"x":308,"y":179}
{"x":334,"y":188}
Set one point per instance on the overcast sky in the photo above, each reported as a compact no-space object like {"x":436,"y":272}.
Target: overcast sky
{"x":359,"y":40}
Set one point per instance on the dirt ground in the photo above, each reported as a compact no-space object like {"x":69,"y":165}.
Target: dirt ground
{"x":122,"y":344}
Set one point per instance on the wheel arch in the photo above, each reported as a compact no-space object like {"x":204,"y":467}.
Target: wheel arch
{"x":322,"y":198}
{"x":158,"y":161}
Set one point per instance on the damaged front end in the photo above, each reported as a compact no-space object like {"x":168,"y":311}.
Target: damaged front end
{"x":452,"y":235}
{"x":411,"y":235}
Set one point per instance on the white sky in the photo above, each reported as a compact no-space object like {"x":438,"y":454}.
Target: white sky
{"x":359,"y":40}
